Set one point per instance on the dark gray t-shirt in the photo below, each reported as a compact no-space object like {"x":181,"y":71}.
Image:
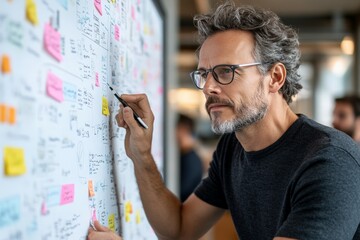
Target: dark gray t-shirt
{"x":305,"y":186}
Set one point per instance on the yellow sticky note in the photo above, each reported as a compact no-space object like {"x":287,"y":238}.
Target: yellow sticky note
{"x":2,"y":113}
{"x":137,"y":217}
{"x":112,"y":222}
{"x":105,"y":107}
{"x":127,"y":217}
{"x":128,"y":207}
{"x":91,"y":188}
{"x":31,"y":12}
{"x":12,"y":115}
{"x":14,"y":161}
{"x":5,"y":64}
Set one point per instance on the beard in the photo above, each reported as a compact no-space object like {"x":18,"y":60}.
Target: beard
{"x":245,"y":115}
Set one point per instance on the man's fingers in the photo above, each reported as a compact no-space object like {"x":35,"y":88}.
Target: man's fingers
{"x":138,"y":102}
{"x":128,"y":116}
{"x":100,"y":227}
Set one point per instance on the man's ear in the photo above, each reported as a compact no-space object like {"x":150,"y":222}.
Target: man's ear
{"x":277,"y":77}
{"x":356,"y":136}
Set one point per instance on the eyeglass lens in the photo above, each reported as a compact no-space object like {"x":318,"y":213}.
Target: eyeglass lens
{"x":222,"y":74}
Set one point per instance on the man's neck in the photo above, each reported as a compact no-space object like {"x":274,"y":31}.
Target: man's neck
{"x":268,"y":130}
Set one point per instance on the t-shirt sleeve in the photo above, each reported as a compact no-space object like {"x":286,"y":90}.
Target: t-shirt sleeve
{"x":210,"y":189}
{"x":325,"y":198}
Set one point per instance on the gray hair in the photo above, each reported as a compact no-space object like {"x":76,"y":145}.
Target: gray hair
{"x":274,"y":41}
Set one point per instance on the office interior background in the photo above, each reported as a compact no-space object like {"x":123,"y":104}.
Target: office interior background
{"x":329,"y":34}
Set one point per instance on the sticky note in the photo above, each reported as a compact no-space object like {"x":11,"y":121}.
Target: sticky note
{"x":97,"y":83}
{"x":105,"y":106}
{"x":67,"y":194}
{"x":31,"y":12}
{"x":54,"y":87}
{"x":111,"y":221}
{"x":127,"y":217}
{"x":9,"y":210}
{"x":128,"y":207}
{"x":5,"y":64}
{"x":93,"y":215}
{"x":52,"y":42}
{"x":117,"y":32}
{"x":44,"y":210}
{"x":14,"y":161}
{"x":133,"y":12}
{"x":97,"y":4}
{"x":2,"y":113}
{"x":12,"y":115}
{"x":91,"y":188}
{"x":53,"y":195}
{"x":69,"y":91}
{"x":137,"y":217}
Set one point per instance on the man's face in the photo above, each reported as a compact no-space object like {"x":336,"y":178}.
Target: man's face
{"x":344,"y":118}
{"x":241,"y":103}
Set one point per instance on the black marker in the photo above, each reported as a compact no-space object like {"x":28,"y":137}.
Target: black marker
{"x":125,"y":104}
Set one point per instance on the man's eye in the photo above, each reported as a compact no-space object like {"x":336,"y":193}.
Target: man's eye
{"x":202,"y":74}
{"x":223,"y":71}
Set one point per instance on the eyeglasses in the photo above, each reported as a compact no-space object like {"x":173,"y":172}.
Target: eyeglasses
{"x":223,"y":74}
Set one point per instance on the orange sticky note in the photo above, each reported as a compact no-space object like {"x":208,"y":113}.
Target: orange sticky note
{"x":14,"y":161}
{"x":31,"y":13}
{"x":128,"y":207}
{"x":111,"y":221}
{"x":105,"y":106}
{"x":5,"y":64}
{"x":12,"y":115}
{"x":52,"y":42}
{"x":91,"y":188}
{"x":2,"y":113}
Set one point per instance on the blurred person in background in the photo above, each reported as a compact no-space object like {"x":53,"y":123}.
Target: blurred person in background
{"x":191,"y":167}
{"x":346,"y":116}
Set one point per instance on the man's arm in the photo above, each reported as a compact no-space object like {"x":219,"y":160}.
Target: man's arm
{"x":169,"y":218}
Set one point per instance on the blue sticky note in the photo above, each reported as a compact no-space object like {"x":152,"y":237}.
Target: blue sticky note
{"x":9,"y":210}
{"x":53,"y":196}
{"x":69,"y":91}
{"x":63,"y":3}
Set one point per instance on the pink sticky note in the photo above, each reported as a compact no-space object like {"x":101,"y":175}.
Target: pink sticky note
{"x":54,"y":87}
{"x":97,"y":4}
{"x":133,"y":12}
{"x":138,"y":27}
{"x":44,"y":210}
{"x":97,"y":83}
{"x":93,"y":217}
{"x":117,"y":32}
{"x":67,"y":194}
{"x":52,"y":42}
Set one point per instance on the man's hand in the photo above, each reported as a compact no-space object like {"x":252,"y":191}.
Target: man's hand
{"x":101,"y":233}
{"x":137,"y":140}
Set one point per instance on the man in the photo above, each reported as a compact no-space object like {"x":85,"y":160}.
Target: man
{"x":346,"y":116}
{"x":191,"y":169}
{"x":281,"y":175}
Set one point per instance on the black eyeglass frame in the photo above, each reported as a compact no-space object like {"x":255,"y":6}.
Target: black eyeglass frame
{"x":233,"y":67}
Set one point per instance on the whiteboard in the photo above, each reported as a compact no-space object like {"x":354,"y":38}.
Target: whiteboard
{"x":63,"y":161}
